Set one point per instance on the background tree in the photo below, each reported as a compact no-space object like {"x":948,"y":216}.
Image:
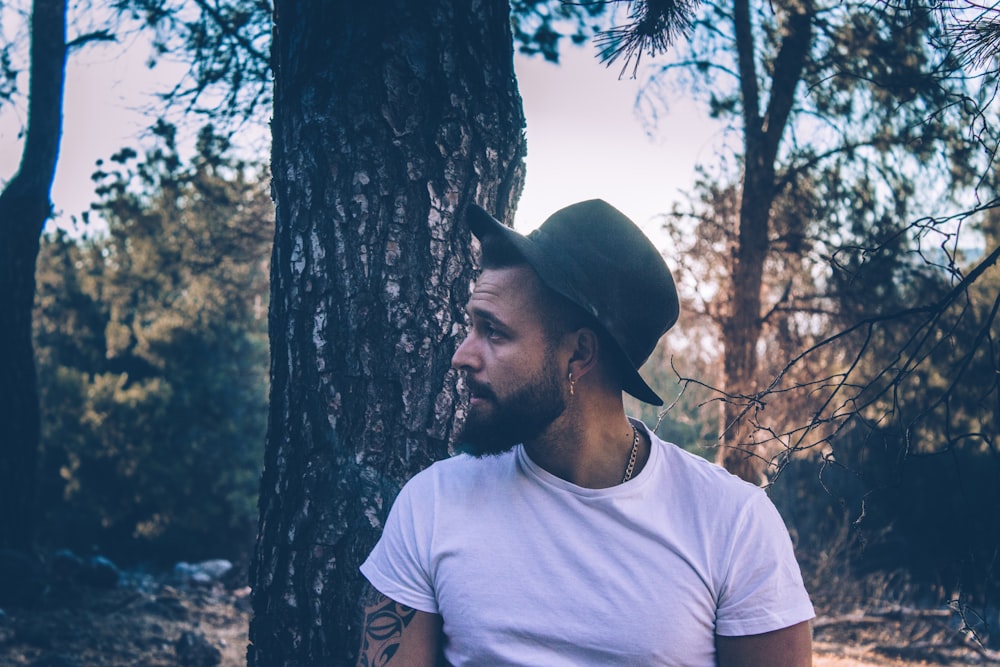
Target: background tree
{"x":844,"y":113}
{"x":24,"y":207}
{"x":152,"y":354}
{"x":388,"y":121}
{"x":223,"y":45}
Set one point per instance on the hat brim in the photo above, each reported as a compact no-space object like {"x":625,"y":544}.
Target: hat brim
{"x":485,"y":225}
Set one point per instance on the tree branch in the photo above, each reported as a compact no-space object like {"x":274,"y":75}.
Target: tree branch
{"x":96,"y":36}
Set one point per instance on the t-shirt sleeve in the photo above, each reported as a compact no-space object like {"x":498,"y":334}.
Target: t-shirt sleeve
{"x":762,"y":589}
{"x":399,"y":565}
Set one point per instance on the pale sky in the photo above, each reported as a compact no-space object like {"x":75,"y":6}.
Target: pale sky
{"x":585,"y":138}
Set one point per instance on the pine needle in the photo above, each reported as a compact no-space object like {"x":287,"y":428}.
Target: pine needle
{"x":977,"y":42}
{"x":655,"y":25}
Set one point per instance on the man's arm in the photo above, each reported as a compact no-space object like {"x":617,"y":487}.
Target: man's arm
{"x":394,"y":634}
{"x":788,"y":647}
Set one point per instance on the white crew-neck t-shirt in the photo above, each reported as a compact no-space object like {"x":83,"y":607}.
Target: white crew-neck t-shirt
{"x":526,"y":568}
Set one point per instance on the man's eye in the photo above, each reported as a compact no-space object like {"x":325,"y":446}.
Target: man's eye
{"x":491,"y":332}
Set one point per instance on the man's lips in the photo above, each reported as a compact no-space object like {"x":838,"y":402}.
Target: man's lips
{"x":478,"y":393}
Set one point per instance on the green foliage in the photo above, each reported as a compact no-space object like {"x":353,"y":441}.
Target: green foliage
{"x":932,"y":515}
{"x":226,"y":46}
{"x":539,"y":25}
{"x":152,"y":356}
{"x":910,"y":457}
{"x":878,"y":147}
{"x":8,"y":75}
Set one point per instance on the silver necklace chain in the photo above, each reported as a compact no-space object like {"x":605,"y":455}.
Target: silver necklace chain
{"x":630,"y":468}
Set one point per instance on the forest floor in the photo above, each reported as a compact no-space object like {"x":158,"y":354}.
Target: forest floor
{"x":154,"y":624}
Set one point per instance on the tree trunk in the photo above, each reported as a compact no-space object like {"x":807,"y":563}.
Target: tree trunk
{"x":742,"y":327}
{"x":24,"y":207}
{"x":389,"y":118}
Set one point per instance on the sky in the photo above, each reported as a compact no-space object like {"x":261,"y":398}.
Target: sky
{"x":104,"y":107}
{"x":585,"y":138}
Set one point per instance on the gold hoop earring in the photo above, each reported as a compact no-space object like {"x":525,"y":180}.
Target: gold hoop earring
{"x":572,"y":383}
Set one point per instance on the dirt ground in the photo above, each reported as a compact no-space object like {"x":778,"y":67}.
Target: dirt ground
{"x":159,"y":625}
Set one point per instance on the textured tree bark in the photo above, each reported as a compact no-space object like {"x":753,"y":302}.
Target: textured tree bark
{"x":24,"y":207}
{"x":389,"y":118}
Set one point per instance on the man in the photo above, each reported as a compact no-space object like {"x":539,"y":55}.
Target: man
{"x":569,"y":534}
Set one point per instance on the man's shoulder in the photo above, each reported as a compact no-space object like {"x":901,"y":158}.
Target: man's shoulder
{"x":463,"y":470}
{"x":703,"y":474}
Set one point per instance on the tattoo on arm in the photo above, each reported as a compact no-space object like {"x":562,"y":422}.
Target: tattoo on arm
{"x":385,"y":621}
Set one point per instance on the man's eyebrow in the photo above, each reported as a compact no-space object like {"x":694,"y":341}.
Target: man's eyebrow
{"x":484,"y":314}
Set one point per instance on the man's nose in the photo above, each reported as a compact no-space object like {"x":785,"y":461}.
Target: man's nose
{"x":464,"y":357}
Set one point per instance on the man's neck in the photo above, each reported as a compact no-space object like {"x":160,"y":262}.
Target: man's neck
{"x":589,"y":445}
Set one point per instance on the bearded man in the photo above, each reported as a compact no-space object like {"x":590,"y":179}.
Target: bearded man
{"x":567,"y":533}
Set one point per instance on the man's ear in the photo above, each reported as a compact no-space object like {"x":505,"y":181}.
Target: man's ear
{"x":585,"y":351}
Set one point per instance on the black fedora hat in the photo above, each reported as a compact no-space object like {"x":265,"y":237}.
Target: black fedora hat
{"x":593,"y":255}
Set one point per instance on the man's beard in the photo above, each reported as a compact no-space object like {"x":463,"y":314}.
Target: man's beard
{"x":521,"y":416}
